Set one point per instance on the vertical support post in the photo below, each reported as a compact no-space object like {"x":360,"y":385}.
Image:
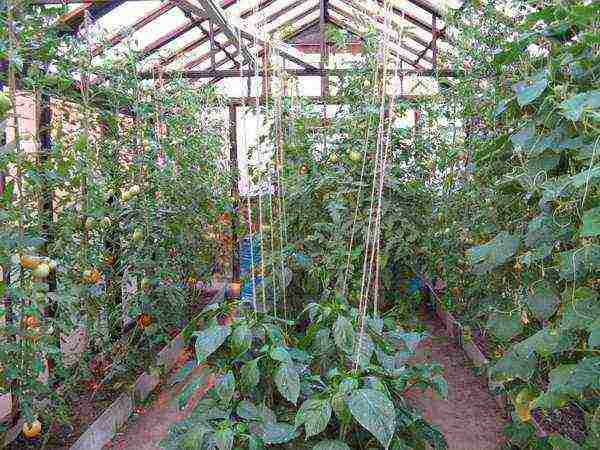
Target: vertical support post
{"x":324,"y":60}
{"x":266,"y":79}
{"x":211,"y":33}
{"x":434,"y":41}
{"x":235,"y":194}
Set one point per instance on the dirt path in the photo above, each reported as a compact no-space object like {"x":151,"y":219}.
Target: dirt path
{"x":146,"y":430}
{"x":470,"y":419}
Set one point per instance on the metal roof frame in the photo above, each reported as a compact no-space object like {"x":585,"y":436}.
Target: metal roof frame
{"x":208,"y":16}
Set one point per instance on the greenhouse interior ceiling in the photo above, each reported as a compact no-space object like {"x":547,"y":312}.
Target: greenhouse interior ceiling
{"x":212,"y":40}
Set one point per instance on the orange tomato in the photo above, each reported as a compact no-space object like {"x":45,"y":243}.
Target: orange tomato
{"x":33,"y":429}
{"x":144,"y":320}
{"x":31,"y":322}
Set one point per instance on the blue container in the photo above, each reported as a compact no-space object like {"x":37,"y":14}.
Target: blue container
{"x":250,"y":257}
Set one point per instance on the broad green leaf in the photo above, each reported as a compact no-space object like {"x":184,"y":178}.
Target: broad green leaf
{"x":314,"y":414}
{"x":226,"y":387}
{"x":528,"y":90}
{"x":331,"y":445}
{"x":574,"y":107}
{"x":249,"y":375}
{"x":581,"y":308}
{"x":512,"y":365}
{"x":224,"y":439}
{"x":548,"y":341}
{"x":248,"y":410}
{"x":209,"y":340}
{"x":280,"y":354}
{"x":365,"y":349}
{"x":559,"y":442}
{"x":255,"y":443}
{"x":287,"y":381}
{"x":487,"y":257}
{"x":591,"y":223}
{"x":543,"y":301}
{"x":374,"y":412}
{"x":343,"y":334}
{"x":549,"y":400}
{"x":278,"y":433}
{"x":576,"y":264}
{"x":241,"y":339}
{"x":274,"y":334}
{"x":209,"y":409}
{"x":594,"y":338}
{"x":505,"y":326}
{"x":574,"y":379}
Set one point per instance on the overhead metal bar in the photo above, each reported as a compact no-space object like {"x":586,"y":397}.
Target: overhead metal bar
{"x":231,"y":25}
{"x":397,"y":35}
{"x":409,"y":17}
{"x":192,"y":45}
{"x":291,"y":35}
{"x":215,"y":13}
{"x":73,"y":2}
{"x":427,"y":7}
{"x":177,"y":32}
{"x":393,"y":47}
{"x":232,"y":73}
{"x":324,"y":50}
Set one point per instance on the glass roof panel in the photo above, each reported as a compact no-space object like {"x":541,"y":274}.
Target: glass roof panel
{"x":125,"y":15}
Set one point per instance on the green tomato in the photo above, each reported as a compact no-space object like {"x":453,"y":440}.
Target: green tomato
{"x":5,"y":104}
{"x":354,"y":156}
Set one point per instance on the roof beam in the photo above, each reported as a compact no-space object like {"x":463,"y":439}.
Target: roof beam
{"x":217,"y":14}
{"x":397,"y":35}
{"x":140,"y":23}
{"x":237,"y":72}
{"x":394,"y":47}
{"x":271,"y":18}
{"x":250,"y":32}
{"x":174,"y":34}
{"x":194,"y":44}
{"x":415,"y":20}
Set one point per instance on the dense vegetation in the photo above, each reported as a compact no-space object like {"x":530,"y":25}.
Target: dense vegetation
{"x":494,"y":195}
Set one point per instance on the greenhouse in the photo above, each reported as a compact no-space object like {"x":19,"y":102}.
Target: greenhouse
{"x":300,"y":224}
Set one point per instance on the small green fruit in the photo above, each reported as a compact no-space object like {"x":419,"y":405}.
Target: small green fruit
{"x":354,"y":156}
{"x":5,"y":104}
{"x":90,"y":223}
{"x":138,"y":235}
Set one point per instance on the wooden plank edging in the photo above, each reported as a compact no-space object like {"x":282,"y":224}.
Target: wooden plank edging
{"x":103,"y":429}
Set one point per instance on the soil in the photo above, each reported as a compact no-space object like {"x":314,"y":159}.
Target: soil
{"x":568,"y":421}
{"x":469,"y":418}
{"x":148,"y":427}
